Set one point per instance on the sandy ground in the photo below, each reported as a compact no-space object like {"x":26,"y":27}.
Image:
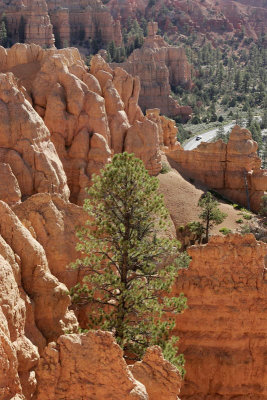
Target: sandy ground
{"x":181,"y":198}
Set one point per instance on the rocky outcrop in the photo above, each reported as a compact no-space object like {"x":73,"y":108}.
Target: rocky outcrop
{"x":49,"y":22}
{"x":28,"y":22}
{"x":232,"y":169}
{"x":9,"y":187}
{"x":104,"y":372}
{"x":90,"y":116}
{"x":79,"y":21}
{"x":79,"y":365}
{"x":33,"y":306}
{"x":223,"y":332}
{"x":26,"y":147}
{"x":160,"y":378}
{"x":159,"y":65}
{"x":53,"y":223}
{"x":213,"y":18}
{"x":167,"y":129}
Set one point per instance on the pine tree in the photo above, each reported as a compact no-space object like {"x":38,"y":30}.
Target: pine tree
{"x":210,"y":214}
{"x":3,"y":34}
{"x":123,"y":253}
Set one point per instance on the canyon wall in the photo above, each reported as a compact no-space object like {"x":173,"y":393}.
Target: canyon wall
{"x":60,"y":22}
{"x":84,"y":118}
{"x":82,"y":20}
{"x":233,"y":169}
{"x":223,"y":332}
{"x":28,"y":22}
{"x":210,"y":18}
{"x":160,"y":66}
{"x":59,"y":124}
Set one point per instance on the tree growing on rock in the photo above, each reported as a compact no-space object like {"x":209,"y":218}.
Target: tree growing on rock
{"x":210,"y":214}
{"x":126,"y":283}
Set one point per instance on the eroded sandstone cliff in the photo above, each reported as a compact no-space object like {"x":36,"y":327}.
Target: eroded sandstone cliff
{"x":28,"y":22}
{"x":90,"y":116}
{"x":59,"y":22}
{"x":159,"y":67}
{"x":50,"y":97}
{"x":233,"y":169}
{"x":223,"y":332}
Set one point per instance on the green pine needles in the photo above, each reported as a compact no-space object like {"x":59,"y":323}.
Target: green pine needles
{"x":126,"y":283}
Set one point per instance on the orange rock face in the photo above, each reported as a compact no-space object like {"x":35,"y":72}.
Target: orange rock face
{"x":53,"y":223}
{"x":33,"y":306}
{"x":159,"y":65}
{"x":76,"y":20}
{"x":26,"y":147}
{"x":28,"y":21}
{"x":90,"y":116}
{"x":60,"y":22}
{"x":161,"y":379}
{"x":229,"y":168}
{"x":223,"y":333}
{"x":86,"y":366}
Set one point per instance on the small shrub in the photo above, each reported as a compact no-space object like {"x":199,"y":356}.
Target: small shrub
{"x":263,"y":209}
{"x":165,"y":168}
{"x":244,"y":210}
{"x":225,"y":231}
{"x":239,"y":221}
{"x":247,"y":216}
{"x":236,"y":206}
{"x":245,"y":229}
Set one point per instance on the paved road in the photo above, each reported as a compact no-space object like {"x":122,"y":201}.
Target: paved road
{"x":206,"y":137}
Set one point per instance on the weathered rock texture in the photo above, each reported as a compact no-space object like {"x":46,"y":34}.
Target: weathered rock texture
{"x":33,"y":306}
{"x":213,"y":18}
{"x":60,"y":22}
{"x":86,"y":366}
{"x":228,"y":168}
{"x":28,"y":21}
{"x":89,"y":116}
{"x":26,"y":147}
{"x":159,"y":65}
{"x":81,"y":20}
{"x":91,"y":366}
{"x":223,"y":333}
{"x":161,"y":379}
{"x":167,"y":129}
{"x":53,"y":223}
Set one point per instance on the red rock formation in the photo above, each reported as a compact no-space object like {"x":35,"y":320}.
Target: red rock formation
{"x":9,"y":187}
{"x":53,"y":223}
{"x":104,"y":372}
{"x":227,"y":167}
{"x":89,"y":115}
{"x":215,"y":18}
{"x":81,"y":365}
{"x":166,"y":127}
{"x":160,"y":378}
{"x":33,"y":306}
{"x":159,"y":65}
{"x":81,"y":20}
{"x":25,"y":144}
{"x":223,"y":333}
{"x":28,"y":21}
